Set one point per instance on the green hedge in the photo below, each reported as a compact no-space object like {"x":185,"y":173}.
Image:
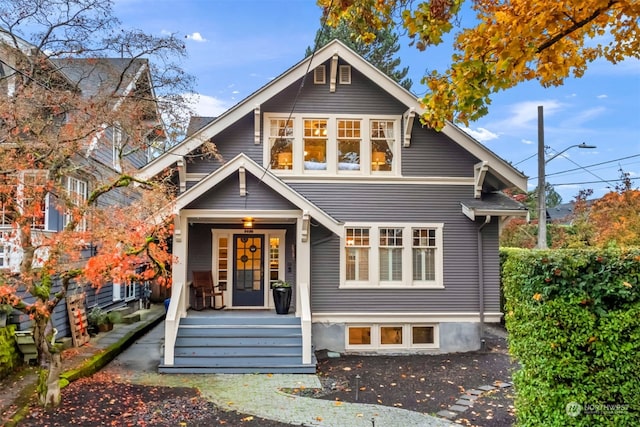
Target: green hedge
{"x":9,"y":353}
{"x":573,"y":318}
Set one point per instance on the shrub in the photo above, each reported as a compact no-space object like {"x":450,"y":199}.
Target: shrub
{"x":573,"y":318}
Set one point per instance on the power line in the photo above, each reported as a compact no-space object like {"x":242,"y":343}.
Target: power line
{"x":593,"y":165}
{"x":591,"y":182}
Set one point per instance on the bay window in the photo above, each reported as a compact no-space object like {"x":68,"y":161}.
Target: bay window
{"x":380,"y":255}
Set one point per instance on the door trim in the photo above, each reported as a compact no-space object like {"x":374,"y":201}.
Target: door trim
{"x":218,"y":233}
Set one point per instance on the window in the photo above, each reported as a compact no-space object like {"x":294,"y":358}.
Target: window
{"x":382,"y":255}
{"x":391,"y":336}
{"x":390,"y":254}
{"x":344,"y":144}
{"x":281,"y":144}
{"x":360,"y":335}
{"x":129,"y":290}
{"x":32,"y":198}
{"x":382,"y":143}
{"x":423,"y":335}
{"x":424,"y":254}
{"x":315,"y":145}
{"x":77,"y":192}
{"x":349,"y":141}
{"x":357,"y":248}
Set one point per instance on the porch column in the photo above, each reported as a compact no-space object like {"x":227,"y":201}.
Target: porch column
{"x":303,"y":260}
{"x":179,"y":267}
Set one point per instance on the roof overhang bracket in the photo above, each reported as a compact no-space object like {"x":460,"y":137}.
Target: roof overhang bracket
{"x":243,"y":181}
{"x":334,"y":72}
{"x":304,"y":233}
{"x":409,"y":117}
{"x":182,"y":174}
{"x":256,"y":125}
{"x":479,"y":173}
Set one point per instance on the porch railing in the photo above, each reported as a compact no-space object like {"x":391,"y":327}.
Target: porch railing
{"x":305,"y":319}
{"x":176,"y":310}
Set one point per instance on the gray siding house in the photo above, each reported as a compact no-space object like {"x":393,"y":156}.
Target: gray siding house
{"x":97,"y":159}
{"x":388,"y":230}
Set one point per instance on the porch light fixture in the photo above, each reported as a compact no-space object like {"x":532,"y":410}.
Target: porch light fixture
{"x":247,"y":222}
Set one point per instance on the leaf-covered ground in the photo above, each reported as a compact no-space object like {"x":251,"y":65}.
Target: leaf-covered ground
{"x":424,"y":383}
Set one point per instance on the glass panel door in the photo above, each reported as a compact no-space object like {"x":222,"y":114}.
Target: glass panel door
{"x":248,"y":267}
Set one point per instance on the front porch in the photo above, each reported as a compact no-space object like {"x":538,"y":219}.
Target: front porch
{"x":238,"y":341}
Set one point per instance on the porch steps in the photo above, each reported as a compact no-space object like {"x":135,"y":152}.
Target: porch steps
{"x":239,"y":344}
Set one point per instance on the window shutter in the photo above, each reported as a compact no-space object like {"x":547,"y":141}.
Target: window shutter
{"x":320,"y":75}
{"x":345,"y":75}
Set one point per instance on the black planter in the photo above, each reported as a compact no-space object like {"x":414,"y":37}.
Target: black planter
{"x":282,"y":299}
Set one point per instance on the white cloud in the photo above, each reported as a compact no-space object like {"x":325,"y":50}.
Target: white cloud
{"x":525,"y":113}
{"x":603,"y":96}
{"x":196,"y":37}
{"x":207,"y":106}
{"x":527,"y":141}
{"x":482,"y":134}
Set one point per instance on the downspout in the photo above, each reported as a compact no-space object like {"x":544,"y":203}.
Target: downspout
{"x":487,"y":220}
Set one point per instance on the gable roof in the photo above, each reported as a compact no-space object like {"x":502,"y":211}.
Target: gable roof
{"x":501,"y":168}
{"x":266,"y":177}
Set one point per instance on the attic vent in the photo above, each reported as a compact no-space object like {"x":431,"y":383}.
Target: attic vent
{"x":345,"y":74}
{"x":320,"y":75}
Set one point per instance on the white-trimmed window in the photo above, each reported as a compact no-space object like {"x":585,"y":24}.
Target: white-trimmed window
{"x":77,"y":191}
{"x":129,"y":290}
{"x":332,"y":144}
{"x":315,"y":145}
{"x":391,"y":336}
{"x":382,"y":145}
{"x":392,"y":255}
{"x":31,"y":201}
{"x":349,"y":144}
{"x":357,"y":254}
{"x":281,"y":133}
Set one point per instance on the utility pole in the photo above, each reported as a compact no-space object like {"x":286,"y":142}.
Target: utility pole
{"x":542,"y":184}
{"x":542,"y":191}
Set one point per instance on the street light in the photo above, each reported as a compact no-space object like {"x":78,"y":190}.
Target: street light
{"x":542,"y":185}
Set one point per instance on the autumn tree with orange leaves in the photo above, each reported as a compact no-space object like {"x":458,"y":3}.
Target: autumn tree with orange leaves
{"x":513,"y":41}
{"x":83,"y":104}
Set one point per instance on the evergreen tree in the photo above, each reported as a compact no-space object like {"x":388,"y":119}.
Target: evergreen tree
{"x":380,"y":52}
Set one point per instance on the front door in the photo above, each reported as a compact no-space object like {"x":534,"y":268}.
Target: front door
{"x":248,"y":267}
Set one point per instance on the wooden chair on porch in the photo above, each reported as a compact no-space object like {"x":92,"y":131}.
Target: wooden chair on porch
{"x":204,"y":292}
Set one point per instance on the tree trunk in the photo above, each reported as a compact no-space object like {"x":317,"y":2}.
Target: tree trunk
{"x":49,"y":389}
{"x":48,"y":384}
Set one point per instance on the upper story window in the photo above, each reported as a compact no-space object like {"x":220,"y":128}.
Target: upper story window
{"x":32,"y":197}
{"x":77,"y":191}
{"x":381,"y":255}
{"x":333,"y":144}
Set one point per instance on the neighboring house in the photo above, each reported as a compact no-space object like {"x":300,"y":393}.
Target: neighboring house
{"x":99,"y":157}
{"x":387,"y":229}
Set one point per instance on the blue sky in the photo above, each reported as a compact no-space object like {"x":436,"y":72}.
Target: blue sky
{"x":237,"y":46}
